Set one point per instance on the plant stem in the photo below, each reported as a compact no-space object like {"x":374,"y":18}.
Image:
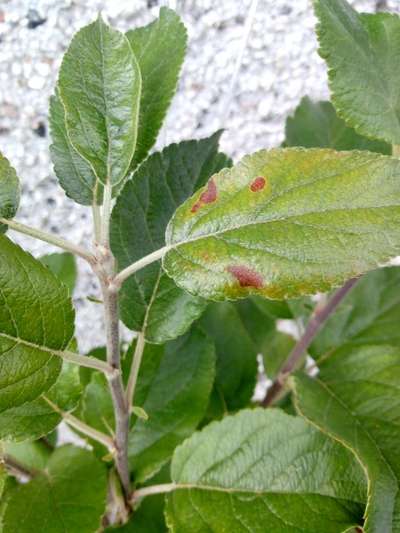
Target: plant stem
{"x":105,"y":219}
{"x":49,"y":238}
{"x":138,"y":265}
{"x":88,"y":362}
{"x":121,"y":407}
{"x":153,"y":489}
{"x":87,"y":430}
{"x":316,"y":322}
{"x":17,"y":469}
{"x":96,"y":222}
{"x":137,"y":359}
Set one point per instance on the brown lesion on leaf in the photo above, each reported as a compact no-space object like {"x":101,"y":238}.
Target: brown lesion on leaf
{"x":258,"y":184}
{"x":207,"y":197}
{"x":246,"y":276}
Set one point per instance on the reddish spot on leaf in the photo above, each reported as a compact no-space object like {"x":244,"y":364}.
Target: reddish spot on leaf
{"x":246,"y":277}
{"x":258,"y":184}
{"x":207,"y":197}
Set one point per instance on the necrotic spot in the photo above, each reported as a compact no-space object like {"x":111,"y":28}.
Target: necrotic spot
{"x":245,"y":276}
{"x":258,"y":184}
{"x":207,"y":197}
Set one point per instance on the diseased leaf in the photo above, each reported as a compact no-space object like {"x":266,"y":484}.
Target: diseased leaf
{"x":369,"y":314}
{"x":36,"y":317}
{"x":9,"y":191}
{"x":362,"y":55}
{"x":174,"y":385}
{"x":100,"y":86}
{"x":150,"y":301}
{"x":75,"y":174}
{"x":316,"y":125}
{"x":69,"y":496}
{"x":264,"y":469}
{"x":356,"y":401}
{"x":37,"y":418}
{"x":63,"y":265}
{"x":286,"y":222}
{"x":160,"y":49}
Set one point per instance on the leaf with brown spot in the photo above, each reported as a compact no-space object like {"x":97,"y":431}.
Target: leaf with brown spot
{"x":320,"y":218}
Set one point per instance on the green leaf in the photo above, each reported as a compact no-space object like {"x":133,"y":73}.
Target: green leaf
{"x":31,"y":455}
{"x":286,"y":222}
{"x":75,"y":174}
{"x":369,"y":314}
{"x":139,"y":412}
{"x":36,"y":317}
{"x":236,"y":370}
{"x":37,"y":418}
{"x":174,"y":385}
{"x":70,"y":495}
{"x":316,"y":125}
{"x":9,"y":191}
{"x":63,"y":265}
{"x":160,"y":50}
{"x":150,"y":301}
{"x":356,"y":401}
{"x":362,"y":55}
{"x":100,"y":87}
{"x":263,"y":470}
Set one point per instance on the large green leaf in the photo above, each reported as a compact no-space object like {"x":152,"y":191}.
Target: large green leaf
{"x":356,"y":399}
{"x":369,"y":314}
{"x":362,"y":55}
{"x":63,"y":265}
{"x":263,"y":470}
{"x":316,"y":125}
{"x":75,"y":174}
{"x":150,"y":301}
{"x":174,"y":386}
{"x":68,"y":496}
{"x":100,"y":86}
{"x":37,"y":418}
{"x":9,"y":191}
{"x":236,"y":370}
{"x":286,"y":222}
{"x":160,"y":50}
{"x":36,"y":317}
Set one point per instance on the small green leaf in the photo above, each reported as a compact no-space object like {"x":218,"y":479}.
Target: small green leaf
{"x":139,"y":412}
{"x":75,"y":174}
{"x":370,"y":314}
{"x":150,"y":301}
{"x":263,"y":470}
{"x":9,"y":191}
{"x":286,"y":222}
{"x":63,"y":265}
{"x":174,"y":386}
{"x":362,"y":55}
{"x":100,"y":87}
{"x":37,"y":418}
{"x":69,"y":496}
{"x":356,"y":401}
{"x":159,"y":49}
{"x":316,"y":125}
{"x":36,"y":317}
{"x":31,"y":455}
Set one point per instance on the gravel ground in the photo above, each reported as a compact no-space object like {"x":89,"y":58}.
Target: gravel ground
{"x":280,"y":65}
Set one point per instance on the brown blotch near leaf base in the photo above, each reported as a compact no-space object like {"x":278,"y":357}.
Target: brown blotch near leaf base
{"x":258,"y":184}
{"x":207,"y":197}
{"x":246,"y":277}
